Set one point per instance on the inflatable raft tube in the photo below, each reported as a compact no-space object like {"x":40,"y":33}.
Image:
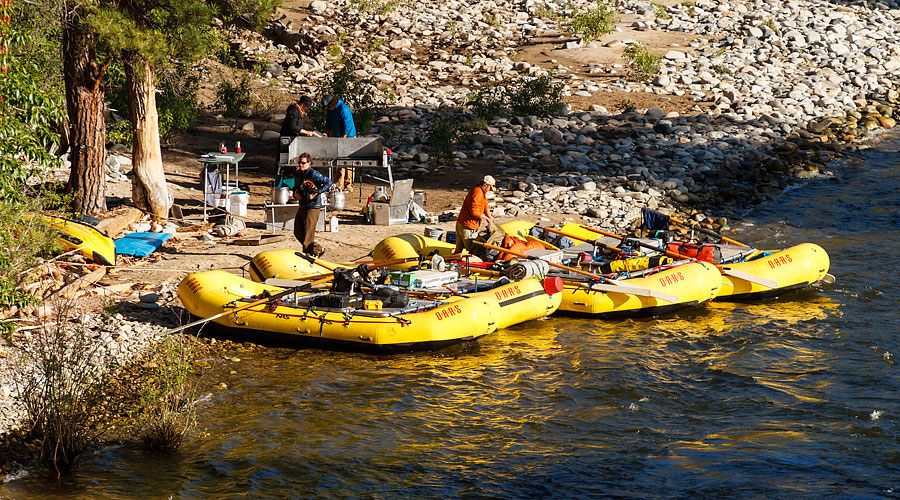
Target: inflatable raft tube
{"x":790,"y":269}
{"x":425,"y":324}
{"x":693,"y":284}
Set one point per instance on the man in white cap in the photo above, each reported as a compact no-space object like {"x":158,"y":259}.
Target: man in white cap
{"x":474,"y":210}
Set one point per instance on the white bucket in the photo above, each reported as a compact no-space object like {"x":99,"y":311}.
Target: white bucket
{"x":237,"y":203}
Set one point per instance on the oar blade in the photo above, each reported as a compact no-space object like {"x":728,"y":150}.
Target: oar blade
{"x":752,"y":278}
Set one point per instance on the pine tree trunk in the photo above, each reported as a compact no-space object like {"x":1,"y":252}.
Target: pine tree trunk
{"x":84,"y":103}
{"x":148,"y":184}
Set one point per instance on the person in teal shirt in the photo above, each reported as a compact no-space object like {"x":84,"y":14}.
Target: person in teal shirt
{"x":339,"y":123}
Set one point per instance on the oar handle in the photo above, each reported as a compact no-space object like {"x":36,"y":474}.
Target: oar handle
{"x":674,"y":255}
{"x":708,"y":232}
{"x":552,"y":264}
{"x":574,"y":237}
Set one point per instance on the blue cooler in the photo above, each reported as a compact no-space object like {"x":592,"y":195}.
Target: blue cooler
{"x":450,"y":237}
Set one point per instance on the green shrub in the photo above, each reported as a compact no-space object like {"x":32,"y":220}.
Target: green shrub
{"x":167,"y":409}
{"x":360,"y":95}
{"x":61,"y":389}
{"x":593,"y":23}
{"x":721,"y":69}
{"x":660,"y":10}
{"x":534,"y":96}
{"x":489,"y":103}
{"x":521,"y":97}
{"x":443,"y":135}
{"x":377,"y":6}
{"x":235,"y":99}
{"x":643,"y":60}
{"x":626,"y":106}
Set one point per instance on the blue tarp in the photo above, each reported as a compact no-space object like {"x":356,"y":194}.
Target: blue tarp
{"x":140,"y":244}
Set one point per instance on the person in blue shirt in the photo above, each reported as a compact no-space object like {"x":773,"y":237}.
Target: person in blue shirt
{"x":339,"y":123}
{"x":309,"y":184}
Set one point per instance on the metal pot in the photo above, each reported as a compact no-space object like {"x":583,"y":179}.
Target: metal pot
{"x":281,"y":195}
{"x":336,"y":200}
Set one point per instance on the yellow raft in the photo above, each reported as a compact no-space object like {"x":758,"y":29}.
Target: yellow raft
{"x":424,"y":324}
{"x":674,"y":288}
{"x":758,"y":274}
{"x":790,"y":269}
{"x":690,"y":284}
{"x":88,"y":240}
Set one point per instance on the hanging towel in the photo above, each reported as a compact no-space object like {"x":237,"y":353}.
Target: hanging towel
{"x":213,"y":184}
{"x":655,"y":221}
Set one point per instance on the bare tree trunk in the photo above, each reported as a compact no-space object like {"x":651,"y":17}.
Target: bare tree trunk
{"x":84,"y":103}
{"x":148,"y":184}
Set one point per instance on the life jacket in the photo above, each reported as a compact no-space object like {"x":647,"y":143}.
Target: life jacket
{"x":706,"y":253}
{"x":517,"y":245}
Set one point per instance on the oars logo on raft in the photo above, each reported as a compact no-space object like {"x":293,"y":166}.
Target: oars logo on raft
{"x":508,"y":292}
{"x":671,"y":279}
{"x":780,"y":261}
{"x":449,"y":312}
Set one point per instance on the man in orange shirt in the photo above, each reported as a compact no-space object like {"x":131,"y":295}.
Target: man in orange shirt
{"x":474,"y":210}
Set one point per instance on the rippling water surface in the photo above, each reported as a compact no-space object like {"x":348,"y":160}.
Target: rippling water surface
{"x":795,"y":397}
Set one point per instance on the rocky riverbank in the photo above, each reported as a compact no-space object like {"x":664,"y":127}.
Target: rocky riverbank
{"x":780,"y":87}
{"x":766,"y":93}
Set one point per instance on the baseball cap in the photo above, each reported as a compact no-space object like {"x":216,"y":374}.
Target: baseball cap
{"x":306,"y":101}
{"x":489,"y":180}
{"x":326,"y":100}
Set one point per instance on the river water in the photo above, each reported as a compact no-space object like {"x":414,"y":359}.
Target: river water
{"x":790,"y":398}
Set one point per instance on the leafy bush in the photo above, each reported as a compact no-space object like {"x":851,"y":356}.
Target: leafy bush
{"x":660,"y":10}
{"x":31,"y":107}
{"x":643,"y":60}
{"x":377,"y":6}
{"x":167,"y":410}
{"x":61,"y":389}
{"x":443,"y":135}
{"x":360,"y":95}
{"x":235,"y":99}
{"x":524,"y":96}
{"x":593,"y":23}
{"x":490,"y":103}
{"x":535,"y":96}
{"x":626,"y":106}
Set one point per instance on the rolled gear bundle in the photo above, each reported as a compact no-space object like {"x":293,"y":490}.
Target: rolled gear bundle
{"x":520,"y":270}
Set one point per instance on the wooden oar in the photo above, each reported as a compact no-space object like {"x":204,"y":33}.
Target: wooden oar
{"x":305,"y":287}
{"x":759,"y":280}
{"x":707,"y":232}
{"x":619,"y":286}
{"x":574,"y":237}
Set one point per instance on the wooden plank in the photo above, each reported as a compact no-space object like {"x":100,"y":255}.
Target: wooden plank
{"x":259,"y":240}
{"x":92,"y":277}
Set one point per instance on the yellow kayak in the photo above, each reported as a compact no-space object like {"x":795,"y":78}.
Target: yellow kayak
{"x":88,"y":240}
{"x":424,"y":323}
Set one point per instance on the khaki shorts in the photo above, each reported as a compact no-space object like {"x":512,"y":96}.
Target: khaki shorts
{"x":464,"y":237}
